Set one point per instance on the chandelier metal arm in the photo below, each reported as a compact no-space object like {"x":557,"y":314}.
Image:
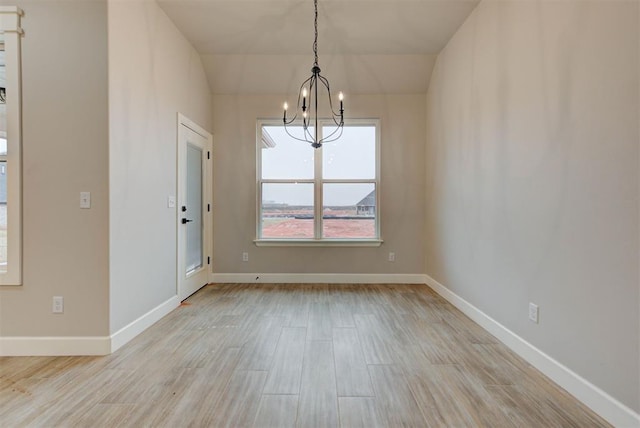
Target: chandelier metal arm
{"x":326,"y":84}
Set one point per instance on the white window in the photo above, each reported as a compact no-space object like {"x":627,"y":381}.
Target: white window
{"x":310,"y":196}
{"x":10,"y":148}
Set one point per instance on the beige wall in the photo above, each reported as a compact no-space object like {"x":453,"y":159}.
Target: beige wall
{"x":355,"y":74}
{"x":154,"y":73}
{"x":107,"y":129}
{"x":401,"y":190}
{"x":64,"y":74}
{"x":532,"y":172}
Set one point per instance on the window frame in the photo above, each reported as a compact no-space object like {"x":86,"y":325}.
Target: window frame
{"x":12,"y":33}
{"x":318,"y":186}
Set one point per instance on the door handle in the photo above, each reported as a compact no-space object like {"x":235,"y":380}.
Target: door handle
{"x":186,"y":220}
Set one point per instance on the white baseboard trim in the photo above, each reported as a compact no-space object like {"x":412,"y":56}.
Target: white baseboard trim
{"x":596,"y":399}
{"x":134,"y":328}
{"x":54,"y":346}
{"x":318,"y":278}
{"x":91,"y":345}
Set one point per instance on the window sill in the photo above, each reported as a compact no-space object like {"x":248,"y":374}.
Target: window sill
{"x":318,"y":242}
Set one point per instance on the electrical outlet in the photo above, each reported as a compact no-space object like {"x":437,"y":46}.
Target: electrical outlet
{"x":58,"y":305}
{"x":245,"y":257}
{"x":392,"y":257}
{"x":533,"y":312}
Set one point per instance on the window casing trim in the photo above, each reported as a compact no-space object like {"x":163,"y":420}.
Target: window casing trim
{"x":325,"y":242}
{"x":12,"y":32}
{"x":318,"y":183}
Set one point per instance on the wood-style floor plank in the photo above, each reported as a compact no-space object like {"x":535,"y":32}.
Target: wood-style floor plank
{"x":375,"y":345}
{"x":286,"y":371}
{"x":258,"y":352}
{"x":283,"y":355}
{"x":341,"y":314}
{"x":238,"y":405}
{"x":394,"y":399}
{"x":360,"y":412}
{"x":277,"y":411}
{"x":318,"y":406}
{"x":352,"y":373}
{"x":320,"y":322}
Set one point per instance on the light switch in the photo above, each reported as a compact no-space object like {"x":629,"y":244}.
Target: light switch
{"x":85,"y":200}
{"x":171,"y":202}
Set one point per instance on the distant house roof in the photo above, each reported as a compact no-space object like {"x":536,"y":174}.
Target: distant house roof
{"x":267,"y":140}
{"x":369,"y":200}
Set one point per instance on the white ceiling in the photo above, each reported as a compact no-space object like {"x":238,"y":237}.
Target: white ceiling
{"x":347,"y":28}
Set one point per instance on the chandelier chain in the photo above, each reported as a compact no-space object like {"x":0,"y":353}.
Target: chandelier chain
{"x":315,"y":40}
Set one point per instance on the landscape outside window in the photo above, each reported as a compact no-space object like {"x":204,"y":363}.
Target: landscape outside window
{"x":310,"y":194}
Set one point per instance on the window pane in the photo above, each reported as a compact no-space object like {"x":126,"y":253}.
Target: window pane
{"x":3,"y":216}
{"x":284,"y":157}
{"x":352,"y":156}
{"x":287,"y":210}
{"x":349,"y":210}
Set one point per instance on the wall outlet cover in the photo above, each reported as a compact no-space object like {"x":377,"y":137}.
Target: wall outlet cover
{"x":58,"y":305}
{"x":533,"y":312}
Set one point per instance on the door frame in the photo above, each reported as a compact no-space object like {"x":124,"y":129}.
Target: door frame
{"x":184,"y":126}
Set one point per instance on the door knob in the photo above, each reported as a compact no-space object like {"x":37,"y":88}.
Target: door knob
{"x":186,"y":220}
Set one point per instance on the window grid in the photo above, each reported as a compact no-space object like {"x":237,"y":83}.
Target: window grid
{"x":318,"y":185}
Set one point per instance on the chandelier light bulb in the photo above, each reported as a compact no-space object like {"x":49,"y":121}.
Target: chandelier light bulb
{"x":304,"y":92}
{"x":286,"y":106}
{"x":341,"y":96}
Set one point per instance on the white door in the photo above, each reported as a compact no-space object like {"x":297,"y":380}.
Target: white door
{"x":194,"y":207}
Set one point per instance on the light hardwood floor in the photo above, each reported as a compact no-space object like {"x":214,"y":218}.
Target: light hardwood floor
{"x":321,"y":355}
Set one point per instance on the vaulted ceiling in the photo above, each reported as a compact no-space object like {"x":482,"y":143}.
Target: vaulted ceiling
{"x":354,"y":35}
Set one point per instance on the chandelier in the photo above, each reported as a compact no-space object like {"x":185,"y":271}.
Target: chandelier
{"x":308,"y":102}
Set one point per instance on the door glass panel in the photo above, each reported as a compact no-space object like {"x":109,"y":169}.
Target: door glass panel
{"x":3,"y":162}
{"x":194,"y":209}
{"x":3,"y":105}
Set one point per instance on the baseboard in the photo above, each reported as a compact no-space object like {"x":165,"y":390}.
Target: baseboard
{"x":596,"y":399}
{"x":318,"y":278}
{"x":92,"y":345}
{"x":54,"y":346}
{"x":134,"y":328}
